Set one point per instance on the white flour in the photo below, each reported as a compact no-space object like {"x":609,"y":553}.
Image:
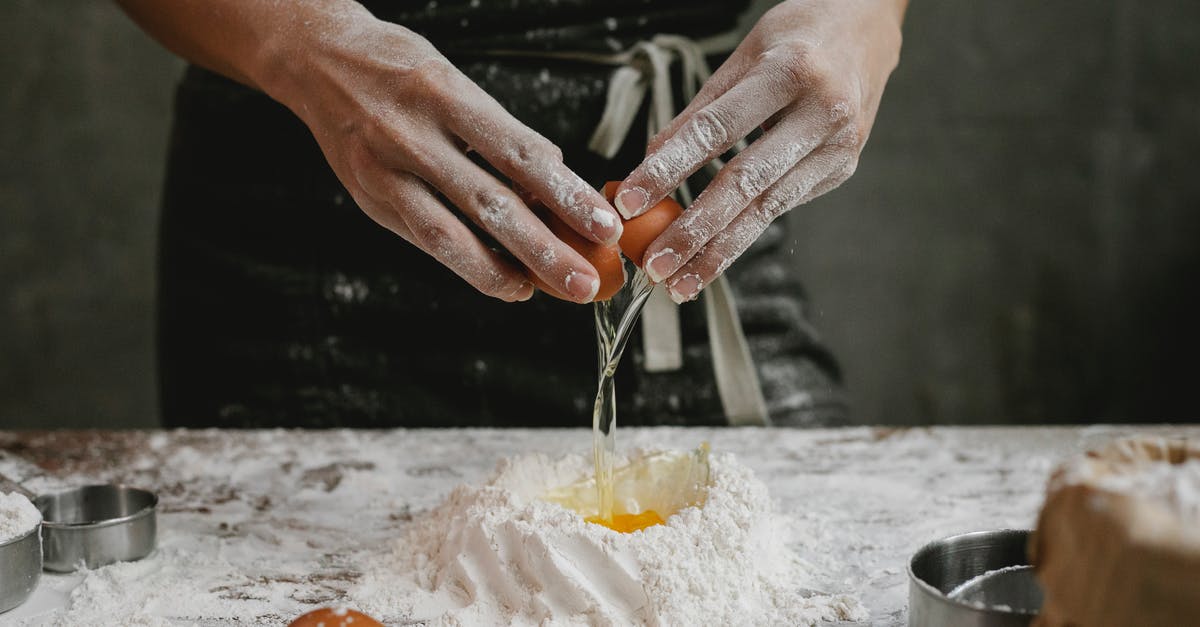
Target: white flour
{"x":259,"y":527}
{"x":1174,"y":486}
{"x":1126,"y":467}
{"x":17,"y":516}
{"x":497,"y":554}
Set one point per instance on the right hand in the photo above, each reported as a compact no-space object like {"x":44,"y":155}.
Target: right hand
{"x":395,"y":120}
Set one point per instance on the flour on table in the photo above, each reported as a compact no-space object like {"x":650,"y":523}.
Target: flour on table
{"x":1173,"y":486}
{"x":17,"y":516}
{"x":498,"y":554}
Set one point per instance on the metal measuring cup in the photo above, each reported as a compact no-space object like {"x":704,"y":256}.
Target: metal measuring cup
{"x":93,"y":525}
{"x":979,"y":579}
{"x":20,"y":568}
{"x":96,"y":525}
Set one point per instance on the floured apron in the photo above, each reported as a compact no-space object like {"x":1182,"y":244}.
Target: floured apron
{"x":281,"y":304}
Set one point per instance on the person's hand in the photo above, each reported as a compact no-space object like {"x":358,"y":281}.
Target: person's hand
{"x":810,"y":74}
{"x":395,"y":120}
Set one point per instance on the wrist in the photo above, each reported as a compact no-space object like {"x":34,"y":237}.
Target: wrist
{"x":291,"y":54}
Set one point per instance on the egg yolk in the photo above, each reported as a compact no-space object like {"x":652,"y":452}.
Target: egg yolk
{"x":628,"y":523}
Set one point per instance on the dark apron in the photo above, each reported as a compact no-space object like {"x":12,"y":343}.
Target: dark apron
{"x":282,"y":304}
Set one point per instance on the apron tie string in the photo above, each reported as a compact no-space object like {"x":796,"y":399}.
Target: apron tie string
{"x":646,"y":66}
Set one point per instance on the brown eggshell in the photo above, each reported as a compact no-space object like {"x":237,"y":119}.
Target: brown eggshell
{"x":641,"y":231}
{"x":606,"y":260}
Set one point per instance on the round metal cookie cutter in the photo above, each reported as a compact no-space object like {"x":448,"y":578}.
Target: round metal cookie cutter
{"x":980,"y":579}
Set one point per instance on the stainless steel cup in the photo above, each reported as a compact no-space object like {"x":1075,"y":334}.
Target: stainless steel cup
{"x":20,"y":568}
{"x":97,"y":525}
{"x":942,"y":566}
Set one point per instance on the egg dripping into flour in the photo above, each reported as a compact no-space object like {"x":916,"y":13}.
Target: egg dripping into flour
{"x":618,"y":305}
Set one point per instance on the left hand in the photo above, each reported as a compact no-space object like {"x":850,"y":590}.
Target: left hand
{"x":810,"y":74}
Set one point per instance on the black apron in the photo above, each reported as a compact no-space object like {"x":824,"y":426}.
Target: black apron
{"x":282,"y":304}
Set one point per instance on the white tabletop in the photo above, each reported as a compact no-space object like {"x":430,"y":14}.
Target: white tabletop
{"x":256,"y":527}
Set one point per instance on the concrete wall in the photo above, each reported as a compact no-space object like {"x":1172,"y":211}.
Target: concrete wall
{"x":1022,"y":241}
{"x":1019,"y":244}
{"x":85,"y":103}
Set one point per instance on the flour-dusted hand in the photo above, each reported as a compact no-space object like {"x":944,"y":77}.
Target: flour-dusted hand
{"x":395,"y":120}
{"x":810,"y":74}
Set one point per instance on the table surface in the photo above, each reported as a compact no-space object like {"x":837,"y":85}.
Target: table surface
{"x":256,"y":527}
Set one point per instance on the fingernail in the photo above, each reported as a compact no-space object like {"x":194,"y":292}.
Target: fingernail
{"x":632,"y":202}
{"x":524,"y":291}
{"x":685,"y":288}
{"x":606,"y":226}
{"x":582,"y":287}
{"x":662,"y":265}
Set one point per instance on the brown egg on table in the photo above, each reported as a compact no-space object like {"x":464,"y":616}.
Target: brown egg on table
{"x":641,"y":231}
{"x":335,"y":617}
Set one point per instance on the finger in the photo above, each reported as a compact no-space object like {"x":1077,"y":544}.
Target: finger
{"x":726,"y":246}
{"x":377,"y":210}
{"x":535,"y":163}
{"x":834,"y":181}
{"x":726,"y":76}
{"x":745,"y":178}
{"x":703,"y":135}
{"x":497,"y":209}
{"x":381,"y":212}
{"x":441,"y":234}
{"x":403,"y":204}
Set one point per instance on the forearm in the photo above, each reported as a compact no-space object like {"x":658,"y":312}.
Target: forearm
{"x":246,"y":40}
{"x":392,"y":115}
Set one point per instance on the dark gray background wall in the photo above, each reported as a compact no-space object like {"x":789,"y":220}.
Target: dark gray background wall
{"x":85,"y":103}
{"x":1020,"y":243}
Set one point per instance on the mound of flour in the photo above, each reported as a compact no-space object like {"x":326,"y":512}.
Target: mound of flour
{"x":17,"y":516}
{"x":497,"y":554}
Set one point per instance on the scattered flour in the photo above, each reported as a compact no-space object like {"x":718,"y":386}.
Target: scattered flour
{"x":1138,"y":467}
{"x":259,"y":527}
{"x":497,"y":554}
{"x":17,"y":516}
{"x":1174,"y":486}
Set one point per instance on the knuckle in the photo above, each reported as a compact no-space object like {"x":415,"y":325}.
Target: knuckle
{"x":838,"y":103}
{"x":437,"y":239}
{"x":793,"y":60}
{"x":493,"y":208}
{"x":432,"y":77}
{"x":710,"y":128}
{"x":850,"y":137}
{"x":534,"y":150}
{"x":495,"y":283}
{"x":696,"y":231}
{"x":399,"y":144}
{"x":778,"y":202}
{"x":748,"y":178}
